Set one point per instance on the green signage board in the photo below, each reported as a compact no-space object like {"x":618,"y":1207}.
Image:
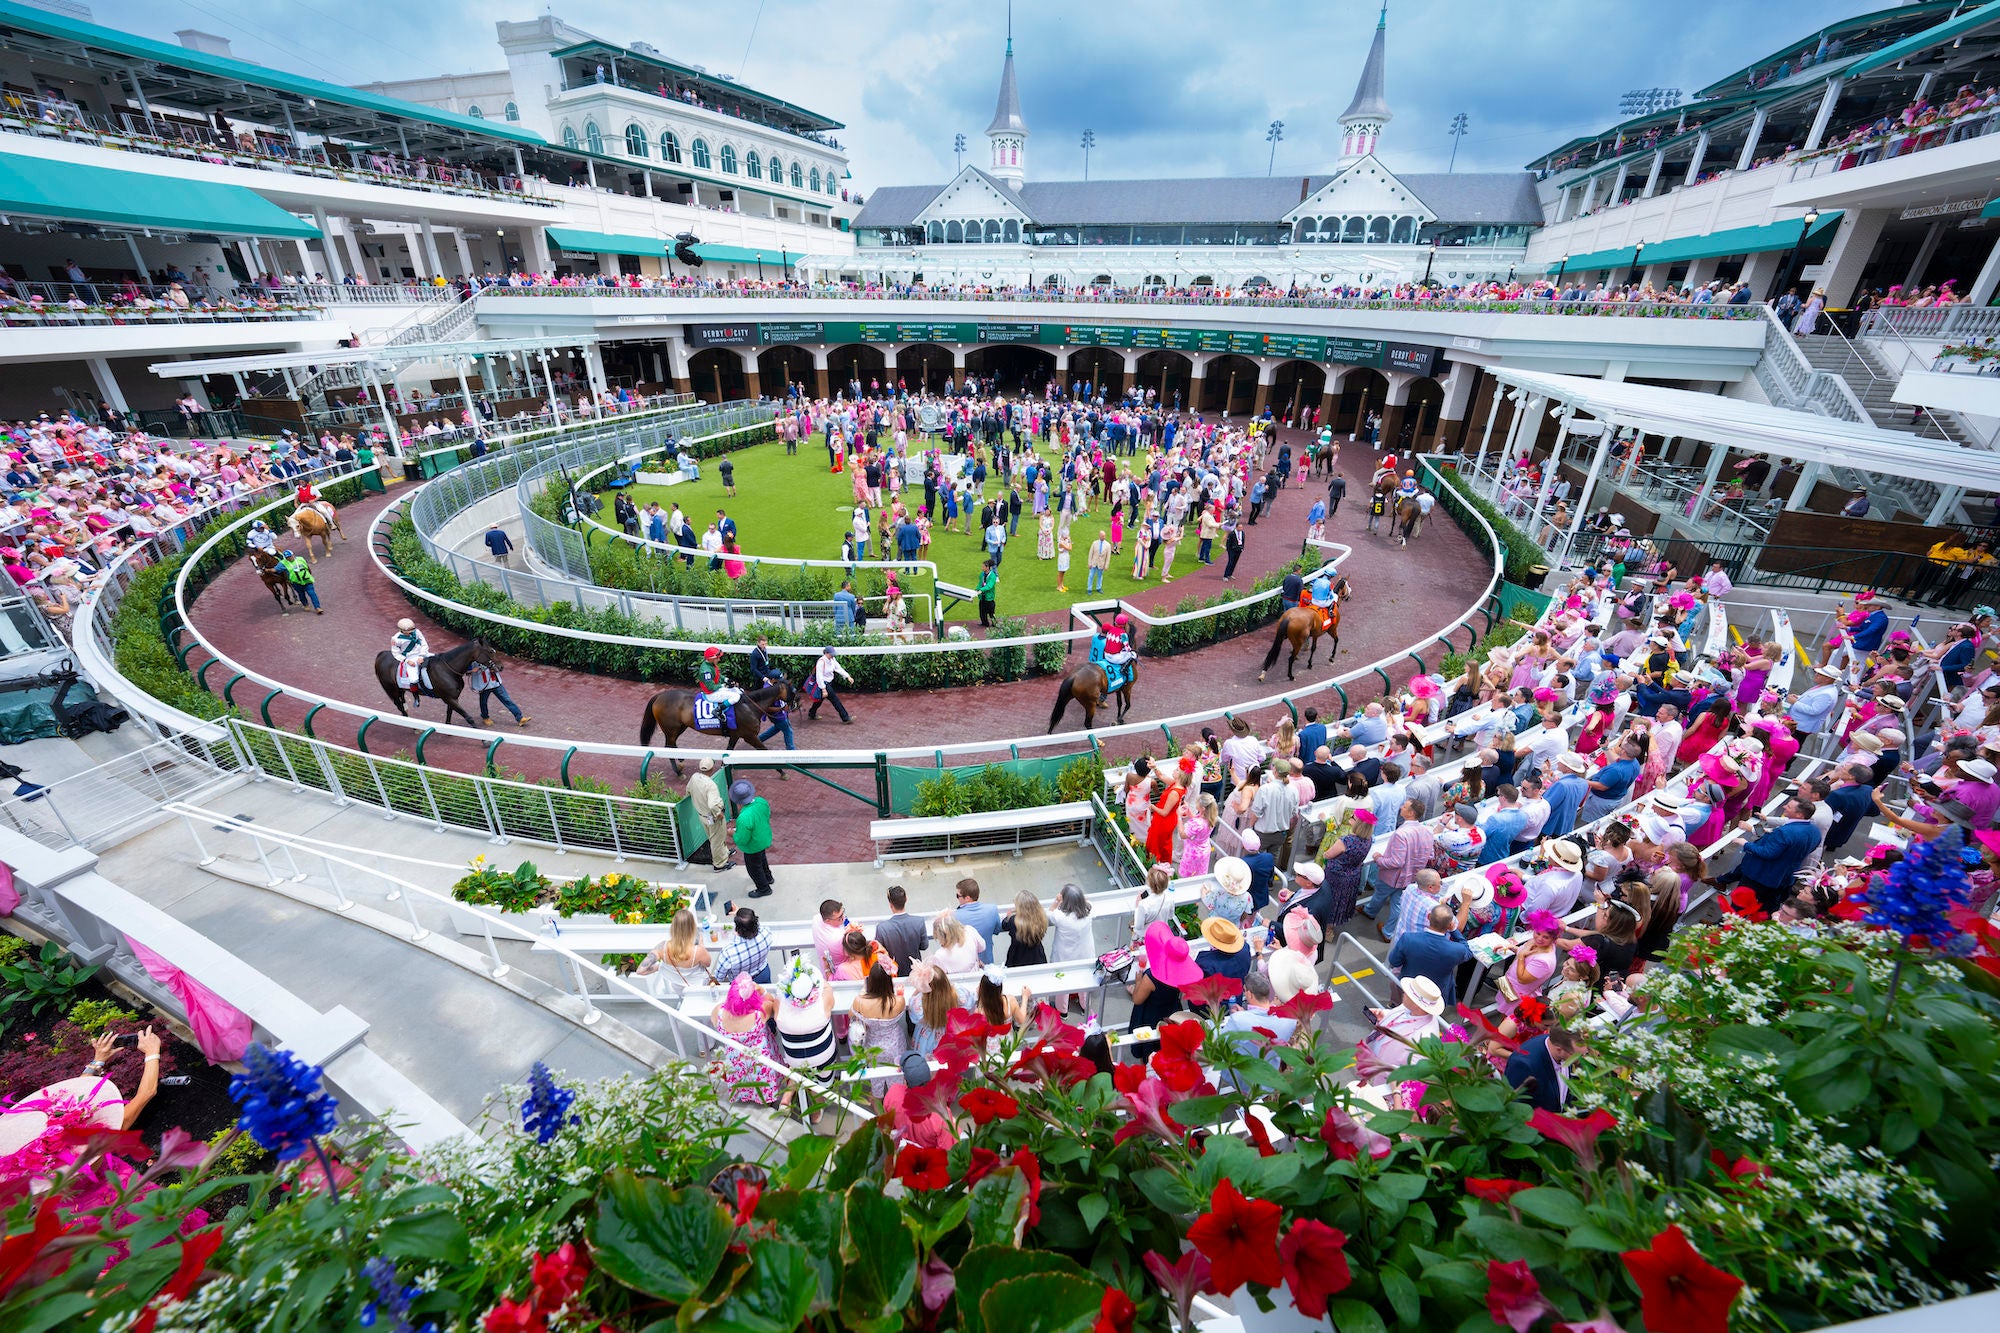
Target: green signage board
{"x":1087,"y":335}
{"x":1302,"y":346}
{"x":792,"y":333}
{"x":875,"y":333}
{"x":1010,"y":333}
{"x":935,"y":333}
{"x":1357,"y":351}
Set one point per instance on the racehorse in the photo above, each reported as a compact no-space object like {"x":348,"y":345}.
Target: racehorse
{"x":1300,"y":624}
{"x":1408,"y":512}
{"x":446,"y":672}
{"x":1382,"y":497}
{"x":672,"y":712}
{"x":1089,"y":686}
{"x":310,"y":521}
{"x":279,"y":582}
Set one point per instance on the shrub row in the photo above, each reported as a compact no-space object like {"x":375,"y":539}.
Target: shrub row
{"x":1187,"y":635}
{"x":1523,"y":554}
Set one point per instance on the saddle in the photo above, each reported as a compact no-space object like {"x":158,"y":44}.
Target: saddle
{"x":712,"y":716}
{"x":409,"y":673}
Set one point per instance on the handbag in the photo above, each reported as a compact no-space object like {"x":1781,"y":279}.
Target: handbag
{"x":1118,"y":965}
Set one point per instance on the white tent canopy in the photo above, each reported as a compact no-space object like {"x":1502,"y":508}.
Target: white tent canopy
{"x":1760,"y":428}
{"x":382,"y":357}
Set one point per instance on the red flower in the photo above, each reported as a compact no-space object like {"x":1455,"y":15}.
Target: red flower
{"x":922,"y":1168}
{"x":1175,"y":1062}
{"x":196,"y":1251}
{"x":1513,"y":1296}
{"x":1126,"y":1077}
{"x":19,"y":1253}
{"x":1604,"y":1323}
{"x":1044,"y":1063}
{"x":1304,"y":1005}
{"x":964,"y":1042}
{"x":1240,"y":1238}
{"x":1494,"y":1190}
{"x":1049,"y":1030}
{"x":1314,"y":1259}
{"x":1740,"y":1171}
{"x":1031,"y":1171}
{"x":1579,"y":1136}
{"x":1180,"y":1280}
{"x":1115,"y":1313}
{"x":933,"y":1098}
{"x":1680,"y":1290}
{"x":984,"y":1163}
{"x":748,"y":1192}
{"x":1253,"y":1124}
{"x":515,"y":1317}
{"x":1148,"y":1107}
{"x":1532,"y":1010}
{"x":1211,"y":990}
{"x":558,"y":1277}
{"x":1348,"y":1137}
{"x":985,"y":1105}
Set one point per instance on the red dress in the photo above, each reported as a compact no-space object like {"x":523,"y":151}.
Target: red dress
{"x":1166,"y":816}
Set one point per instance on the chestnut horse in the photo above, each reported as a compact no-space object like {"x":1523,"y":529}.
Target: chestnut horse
{"x":1089,"y":686}
{"x":1301,"y":627}
{"x":672,"y":713}
{"x":279,"y":582}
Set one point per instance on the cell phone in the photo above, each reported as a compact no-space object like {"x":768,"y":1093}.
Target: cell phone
{"x":125,"y":1039}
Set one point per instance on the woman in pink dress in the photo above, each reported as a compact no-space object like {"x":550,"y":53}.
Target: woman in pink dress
{"x":733,"y":568}
{"x":1117,"y":528}
{"x":1198,"y":818}
{"x":1534,"y":963}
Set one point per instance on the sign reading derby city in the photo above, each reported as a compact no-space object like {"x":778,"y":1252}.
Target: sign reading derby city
{"x":720,"y":335}
{"x":1412,"y":359}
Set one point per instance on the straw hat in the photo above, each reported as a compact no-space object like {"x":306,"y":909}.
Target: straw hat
{"x":1563,"y":853}
{"x":1573,"y":762}
{"x":28,"y":1120}
{"x":1223,"y":936}
{"x":1422,"y":995}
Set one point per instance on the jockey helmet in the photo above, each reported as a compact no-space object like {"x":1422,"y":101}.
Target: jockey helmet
{"x":712,"y":654}
{"x":259,"y":524}
{"x":285,"y":554}
{"x":401,"y":624}
{"x":1119,"y":620}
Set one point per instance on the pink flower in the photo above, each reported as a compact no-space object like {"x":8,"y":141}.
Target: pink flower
{"x":1148,"y":1107}
{"x":1513,"y":1296}
{"x":1181,"y":1281}
{"x":1348,"y":1137}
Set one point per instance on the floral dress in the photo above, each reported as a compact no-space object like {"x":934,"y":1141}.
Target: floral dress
{"x":1195,"y":847}
{"x":747,"y":1079}
{"x":1045,"y":538}
{"x":884,"y":1036}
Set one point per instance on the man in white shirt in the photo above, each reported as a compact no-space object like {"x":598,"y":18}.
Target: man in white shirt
{"x":1243,"y":751}
{"x":1812,"y":711}
{"x":1273,"y":808}
{"x":1557,"y":888}
{"x":1534,"y":808}
{"x":1667,"y":732}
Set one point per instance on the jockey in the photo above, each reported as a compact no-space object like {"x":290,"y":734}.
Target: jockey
{"x":1119,"y":658}
{"x":1407,"y":488}
{"x":261,"y":538}
{"x":409,"y":648}
{"x":1318,"y":598}
{"x":708,"y":682}
{"x":307,"y":496}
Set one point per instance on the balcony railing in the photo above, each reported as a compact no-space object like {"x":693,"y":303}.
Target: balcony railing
{"x":685,"y":98}
{"x":197,"y":140}
{"x":1898,"y":142}
{"x":34,"y":315}
{"x":1950,"y":322}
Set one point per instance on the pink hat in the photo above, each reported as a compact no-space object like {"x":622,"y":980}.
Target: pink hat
{"x":1720,"y":768}
{"x":1167,"y":957}
{"x":1423,"y":687}
{"x":1364,"y":816}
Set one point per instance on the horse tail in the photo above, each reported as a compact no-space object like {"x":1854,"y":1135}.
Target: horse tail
{"x":1277,"y":643}
{"x":646,"y":724}
{"x":1064,"y":693}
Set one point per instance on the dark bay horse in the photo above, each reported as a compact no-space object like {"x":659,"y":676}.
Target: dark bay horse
{"x":1089,"y":686}
{"x":672,"y":713}
{"x":275,"y":579}
{"x":1301,"y":628}
{"x":447,"y":671}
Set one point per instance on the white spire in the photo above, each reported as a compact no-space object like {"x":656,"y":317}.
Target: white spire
{"x":1008,"y":134}
{"x":1369,"y":111}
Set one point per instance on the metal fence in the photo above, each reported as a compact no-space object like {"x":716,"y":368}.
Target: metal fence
{"x":100,"y":805}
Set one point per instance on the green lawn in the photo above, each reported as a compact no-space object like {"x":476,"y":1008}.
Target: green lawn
{"x":790,"y":505}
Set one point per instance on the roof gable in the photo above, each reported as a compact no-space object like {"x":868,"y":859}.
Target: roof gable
{"x":1365,"y":187}
{"x":973,"y":193}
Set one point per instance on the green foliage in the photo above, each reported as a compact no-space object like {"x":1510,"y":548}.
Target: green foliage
{"x":625,"y":898}
{"x":93,"y":1016}
{"x":514,"y":890}
{"x":42,"y":982}
{"x":994,"y":787}
{"x":11,"y":948}
{"x":236,"y":1154}
{"x":1185,"y":636}
{"x":1080,"y":779}
{"x":1523,"y":554}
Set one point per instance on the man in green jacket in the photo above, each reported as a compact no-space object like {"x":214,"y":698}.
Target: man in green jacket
{"x":300,"y":573}
{"x":989,"y":583}
{"x":753,"y":835}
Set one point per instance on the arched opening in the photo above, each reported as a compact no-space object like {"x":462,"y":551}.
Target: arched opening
{"x":1202,"y":280}
{"x":475,"y":113}
{"x":924,"y":366}
{"x":670,"y":147}
{"x":1053,"y":282}
{"x":1420,"y":415}
{"x":934,"y":233}
{"x":1256,"y":282}
{"x":593,"y":138}
{"x":1011,"y":232}
{"x":993,"y":231}
{"x":1228,"y":384}
{"x":798,"y":177}
{"x":1296,"y":386}
{"x":715,"y":375}
{"x":815,"y":180}
{"x":782,"y":366}
{"x":513,"y":111}
{"x":1354,"y":231}
{"x":1361,"y":391}
{"x":1101,"y":280}
{"x":1406,"y":232}
{"x":1013,"y":368}
{"x":569,"y":137}
{"x":753,"y":166}
{"x":855,"y":364}
{"x":954,"y":232}
{"x":1166,"y":374}
{"x":728,"y":159}
{"x":699,"y":150}
{"x":636,"y":142}
{"x":1378,"y":231}
{"x":777,"y":172}
{"x":1099,"y":367}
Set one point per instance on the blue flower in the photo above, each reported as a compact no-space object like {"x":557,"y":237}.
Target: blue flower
{"x":283,"y":1107}
{"x":391,"y":1299}
{"x":546,"y":1110}
{"x":1917,"y":895}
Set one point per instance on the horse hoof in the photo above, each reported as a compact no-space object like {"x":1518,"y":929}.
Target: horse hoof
{"x":1260,"y":676}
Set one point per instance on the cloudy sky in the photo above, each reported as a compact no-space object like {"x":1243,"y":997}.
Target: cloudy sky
{"x":1171,"y":87}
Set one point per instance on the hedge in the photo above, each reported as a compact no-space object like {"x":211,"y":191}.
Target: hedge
{"x":1523,"y":554}
{"x":1187,"y":635}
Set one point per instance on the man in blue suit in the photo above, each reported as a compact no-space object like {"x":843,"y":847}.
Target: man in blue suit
{"x":1437,"y":951}
{"x":1852,"y":799}
{"x":1539,"y":1068}
{"x":1772,"y":861}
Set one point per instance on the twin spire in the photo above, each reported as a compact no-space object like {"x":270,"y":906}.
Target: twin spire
{"x":1363,"y":120}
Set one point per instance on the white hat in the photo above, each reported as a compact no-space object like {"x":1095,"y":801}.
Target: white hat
{"x":1233,"y":874}
{"x":24,"y":1123}
{"x":1826,"y":671}
{"x":1563,"y":852}
{"x":1573,"y":762}
{"x":1668,"y":799}
{"x":1979,"y":770}
{"x":1654,"y":828}
{"x":1291,"y":973}
{"x":406,"y":624}
{"x":1422,"y":994}
{"x":1248,"y":837}
{"x":1473,"y":887}
{"x":1310,"y":871}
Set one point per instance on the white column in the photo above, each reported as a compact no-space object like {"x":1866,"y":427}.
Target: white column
{"x":138,"y":260}
{"x":306,"y":264}
{"x":1589,"y":196}
{"x":1749,"y":153}
{"x":1825,"y":116}
{"x":1694,"y":163}
{"x":334,"y":272}
{"x":414,"y":243}
{"x":549,"y":383}
{"x":465,"y":265}
{"x":1928,"y":247}
{"x":106,"y":382}
{"x":1948,"y":498}
{"x":352,"y":236}
{"x":198,"y":391}
{"x":538,"y":250}
{"x":1618,"y":184}
{"x":464,"y":388}
{"x":431,"y":247}
{"x":1653,"y":176}
{"x":395,"y":443}
{"x":1486,"y":436}
{"x":1554,"y":466}
{"x":593,"y":364}
{"x":1584,"y":495}
{"x":1801,"y":493}
{"x":1852,"y":246}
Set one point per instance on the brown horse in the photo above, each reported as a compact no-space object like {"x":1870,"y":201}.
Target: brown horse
{"x":1408,"y":514}
{"x":1301,"y":627}
{"x":310,"y":521}
{"x":446,"y":671}
{"x":1089,"y":686}
{"x":672,"y":713}
{"x":1382,"y":497}
{"x":279,"y":582}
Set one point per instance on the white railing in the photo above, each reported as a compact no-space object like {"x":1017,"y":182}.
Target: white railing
{"x":99,"y":805}
{"x":1950,"y":323}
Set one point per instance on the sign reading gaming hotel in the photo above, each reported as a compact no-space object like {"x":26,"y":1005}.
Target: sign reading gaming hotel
{"x":720,"y":335}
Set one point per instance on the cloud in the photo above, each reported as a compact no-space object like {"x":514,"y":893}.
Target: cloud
{"x":1171,"y":87}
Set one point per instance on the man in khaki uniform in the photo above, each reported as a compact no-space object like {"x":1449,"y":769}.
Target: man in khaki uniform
{"x":713,"y":812}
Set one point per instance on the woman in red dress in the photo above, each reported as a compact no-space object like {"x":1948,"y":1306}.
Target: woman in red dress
{"x":1166,"y":814}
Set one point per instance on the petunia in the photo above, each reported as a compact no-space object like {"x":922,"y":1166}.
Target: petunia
{"x":1181,"y":1279}
{"x":1176,"y":1062}
{"x":1239,"y":1236}
{"x":1349,"y":1138}
{"x":1313,"y":1256}
{"x":1148,"y":1107}
{"x":1495,"y":1190}
{"x":1031,"y":1171}
{"x":1578,"y":1135}
{"x":922,"y":1168}
{"x":1115,"y":1313}
{"x":1680,"y":1290}
{"x":985,"y":1105}
{"x":984,"y":1163}
{"x":1513,"y":1295}
{"x":1741,"y":1171}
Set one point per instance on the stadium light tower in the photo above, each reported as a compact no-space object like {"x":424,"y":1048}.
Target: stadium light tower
{"x":1645,"y":101}
{"x":958,"y":149}
{"x":1089,"y":142}
{"x":1460,"y":124}
{"x":1274,"y":136}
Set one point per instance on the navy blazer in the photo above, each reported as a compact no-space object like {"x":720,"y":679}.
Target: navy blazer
{"x":1534,"y":1061}
{"x":1420,"y":953}
{"x":1850,"y":805}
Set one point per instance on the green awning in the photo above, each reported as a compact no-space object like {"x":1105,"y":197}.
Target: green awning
{"x":606,"y":243}
{"x":1919,"y":42}
{"x":94,"y":37}
{"x":1991,"y":210}
{"x":1596,"y":259}
{"x":736,"y":254}
{"x":72,"y":192}
{"x":1744,"y":240}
